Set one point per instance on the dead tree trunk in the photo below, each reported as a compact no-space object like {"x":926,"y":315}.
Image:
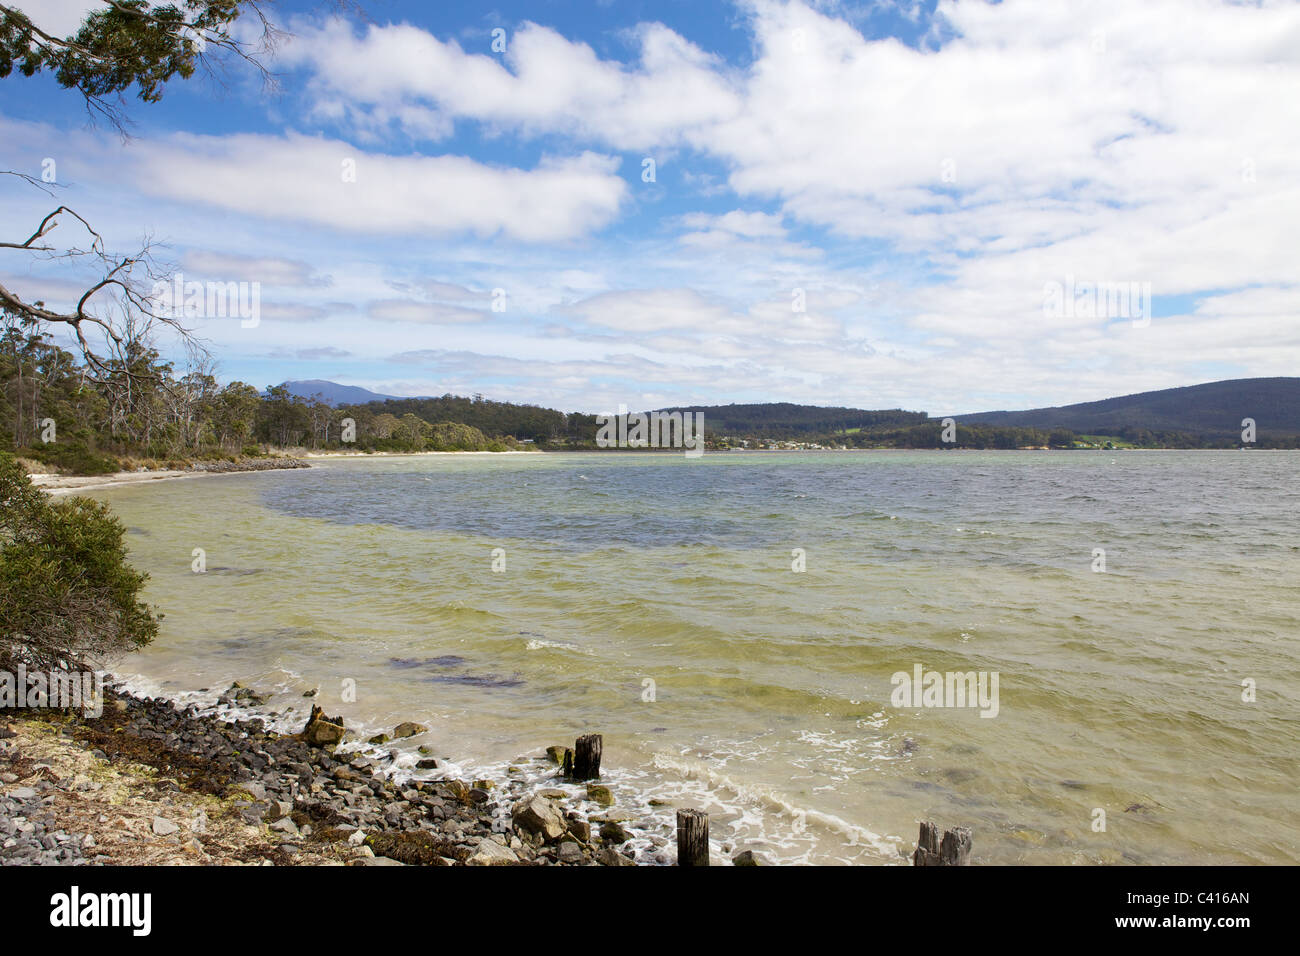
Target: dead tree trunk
{"x":586,"y":757}
{"x":952,"y":850}
{"x":692,"y":838}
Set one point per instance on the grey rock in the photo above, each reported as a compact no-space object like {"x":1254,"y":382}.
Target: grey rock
{"x":491,"y":853}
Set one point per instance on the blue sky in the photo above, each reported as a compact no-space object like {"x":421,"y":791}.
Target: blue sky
{"x":852,"y":203}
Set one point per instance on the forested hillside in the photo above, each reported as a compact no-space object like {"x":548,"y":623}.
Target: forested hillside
{"x":1215,"y":409}
{"x":139,"y":411}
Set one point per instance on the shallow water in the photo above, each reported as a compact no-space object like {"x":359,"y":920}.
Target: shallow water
{"x":1118,"y":691}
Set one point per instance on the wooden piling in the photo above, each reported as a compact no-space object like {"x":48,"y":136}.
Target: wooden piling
{"x":692,"y":838}
{"x":586,"y":757}
{"x":952,"y":850}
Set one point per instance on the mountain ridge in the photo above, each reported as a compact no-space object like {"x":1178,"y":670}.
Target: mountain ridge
{"x":1210,"y":408}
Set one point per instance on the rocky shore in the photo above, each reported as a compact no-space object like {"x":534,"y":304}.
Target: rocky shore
{"x":149,"y":783}
{"x":222,"y":467}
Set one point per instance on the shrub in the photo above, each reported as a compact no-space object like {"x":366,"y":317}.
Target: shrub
{"x":67,"y":593}
{"x":75,"y":457}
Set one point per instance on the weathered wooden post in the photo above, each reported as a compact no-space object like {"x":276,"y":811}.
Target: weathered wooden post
{"x":586,"y":757}
{"x":953,"y":850}
{"x":692,"y":838}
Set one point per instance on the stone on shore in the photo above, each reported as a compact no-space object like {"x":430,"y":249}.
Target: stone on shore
{"x":614,"y":833}
{"x":491,"y":853}
{"x":277,"y":810}
{"x":611,"y":857}
{"x":164,"y":827}
{"x":408,"y":729}
{"x":537,"y":816}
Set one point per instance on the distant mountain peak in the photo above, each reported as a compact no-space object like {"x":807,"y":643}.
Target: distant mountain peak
{"x":333,"y":393}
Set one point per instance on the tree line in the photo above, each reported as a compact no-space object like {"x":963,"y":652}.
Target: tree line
{"x":137,"y":409}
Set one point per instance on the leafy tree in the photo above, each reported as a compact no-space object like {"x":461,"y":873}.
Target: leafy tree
{"x":130,"y":43}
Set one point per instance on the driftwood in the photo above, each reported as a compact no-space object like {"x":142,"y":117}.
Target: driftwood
{"x":952,"y":850}
{"x":692,"y":838}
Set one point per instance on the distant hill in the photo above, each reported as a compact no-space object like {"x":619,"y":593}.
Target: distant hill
{"x":1215,"y":408}
{"x":786,"y":420}
{"x":334,"y":393}
{"x":1213,"y":411}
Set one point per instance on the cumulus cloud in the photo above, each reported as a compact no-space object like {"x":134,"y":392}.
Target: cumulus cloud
{"x":403,"y":76}
{"x":332,"y":183}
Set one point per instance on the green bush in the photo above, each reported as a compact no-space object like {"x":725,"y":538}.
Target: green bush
{"x":74,"y":457}
{"x":66,"y":591}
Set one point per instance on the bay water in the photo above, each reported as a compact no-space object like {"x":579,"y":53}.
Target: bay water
{"x":734,"y":624}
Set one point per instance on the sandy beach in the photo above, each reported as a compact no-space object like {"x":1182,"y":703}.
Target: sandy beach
{"x":65,"y":484}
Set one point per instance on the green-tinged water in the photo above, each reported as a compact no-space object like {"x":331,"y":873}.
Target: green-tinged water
{"x":1118,"y":691}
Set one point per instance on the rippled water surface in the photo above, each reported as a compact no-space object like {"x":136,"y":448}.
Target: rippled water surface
{"x":1118,"y":691}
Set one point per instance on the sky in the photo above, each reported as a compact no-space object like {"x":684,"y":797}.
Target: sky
{"x":579,"y":205}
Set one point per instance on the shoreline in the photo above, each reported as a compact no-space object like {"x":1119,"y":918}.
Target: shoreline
{"x":147,"y":782}
{"x":56,"y":484}
{"x":408,"y":454}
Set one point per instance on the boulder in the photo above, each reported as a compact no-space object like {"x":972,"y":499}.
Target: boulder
{"x":580,"y":830}
{"x":491,"y":853}
{"x":408,"y":729}
{"x":537,"y":816}
{"x":614,"y":833}
{"x":600,"y":794}
{"x":164,"y":827}
{"x":457,"y":790}
{"x":611,"y":857}
{"x":747,"y":858}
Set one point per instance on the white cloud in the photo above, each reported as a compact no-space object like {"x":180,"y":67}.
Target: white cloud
{"x":400,"y":74}
{"x":331,"y":183}
{"x":60,"y":18}
{"x":425,"y":313}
